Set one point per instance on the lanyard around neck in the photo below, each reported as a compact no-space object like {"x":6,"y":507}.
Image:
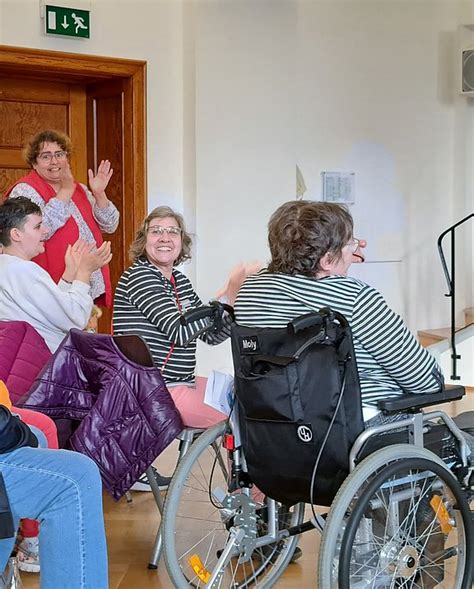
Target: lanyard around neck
{"x":178,"y":303}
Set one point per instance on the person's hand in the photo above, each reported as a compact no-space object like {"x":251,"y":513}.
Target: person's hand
{"x":93,"y":259}
{"x":359,"y":256}
{"x":73,"y":258}
{"x":98,"y":182}
{"x":236,"y":277}
{"x":67,"y":186}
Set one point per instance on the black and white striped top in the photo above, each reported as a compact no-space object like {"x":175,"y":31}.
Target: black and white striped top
{"x":147,"y":304}
{"x":389,"y":359}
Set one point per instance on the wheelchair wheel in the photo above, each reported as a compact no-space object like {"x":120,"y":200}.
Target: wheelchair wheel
{"x":201,"y":517}
{"x":400,"y":520}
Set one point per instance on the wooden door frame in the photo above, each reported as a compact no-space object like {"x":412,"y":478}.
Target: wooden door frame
{"x":86,"y":69}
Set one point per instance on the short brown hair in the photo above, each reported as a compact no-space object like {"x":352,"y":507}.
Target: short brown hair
{"x":14,"y":213}
{"x":32,"y":150}
{"x":301,"y":232}
{"x":137,"y":249}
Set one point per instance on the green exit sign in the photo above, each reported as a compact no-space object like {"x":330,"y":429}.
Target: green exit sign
{"x":71,"y":22}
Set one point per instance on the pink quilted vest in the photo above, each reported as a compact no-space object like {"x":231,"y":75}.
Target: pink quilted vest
{"x":23,"y":353}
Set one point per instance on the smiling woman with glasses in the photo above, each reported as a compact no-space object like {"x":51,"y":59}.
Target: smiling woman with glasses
{"x":70,"y":210}
{"x":150,"y":298}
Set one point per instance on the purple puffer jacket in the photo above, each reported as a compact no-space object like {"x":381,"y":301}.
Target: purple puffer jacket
{"x":126,"y":412}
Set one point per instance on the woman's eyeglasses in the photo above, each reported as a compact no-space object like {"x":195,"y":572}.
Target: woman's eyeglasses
{"x":354,"y":244}
{"x":159,"y":230}
{"x":47,"y":156}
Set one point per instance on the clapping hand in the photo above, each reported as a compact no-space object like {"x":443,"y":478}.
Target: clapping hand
{"x":82,"y":259}
{"x":98,"y":182}
{"x":235,"y":280}
{"x":95,"y":258}
{"x":73,"y":258}
{"x":66,"y":183}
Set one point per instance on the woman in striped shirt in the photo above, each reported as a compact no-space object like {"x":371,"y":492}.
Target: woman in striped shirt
{"x":312,"y":247}
{"x":150,"y":298}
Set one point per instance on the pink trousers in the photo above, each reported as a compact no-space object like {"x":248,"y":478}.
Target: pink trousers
{"x":30,"y":527}
{"x":189,"y":401}
{"x":42,"y":422}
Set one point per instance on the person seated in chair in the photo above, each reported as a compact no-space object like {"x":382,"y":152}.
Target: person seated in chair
{"x":151,"y":296}
{"x":62,"y":490}
{"x":312,"y":248}
{"x":27,"y":292}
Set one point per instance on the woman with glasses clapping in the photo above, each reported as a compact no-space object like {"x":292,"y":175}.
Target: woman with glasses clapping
{"x":151,"y":297}
{"x":70,"y":210}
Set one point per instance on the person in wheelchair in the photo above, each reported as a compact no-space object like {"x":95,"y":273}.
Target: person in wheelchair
{"x":398,"y":512}
{"x":312,"y":248}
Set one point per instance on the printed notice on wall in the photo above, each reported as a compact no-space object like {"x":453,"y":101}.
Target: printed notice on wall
{"x":338,"y":187}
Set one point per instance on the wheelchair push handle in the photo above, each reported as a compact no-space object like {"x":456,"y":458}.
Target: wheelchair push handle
{"x":315,"y":319}
{"x":214,"y":311}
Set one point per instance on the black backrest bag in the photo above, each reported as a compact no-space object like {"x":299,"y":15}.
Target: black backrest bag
{"x":288,"y":383}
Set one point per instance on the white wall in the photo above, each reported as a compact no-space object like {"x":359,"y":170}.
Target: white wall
{"x":368,"y":87}
{"x":246,"y":135}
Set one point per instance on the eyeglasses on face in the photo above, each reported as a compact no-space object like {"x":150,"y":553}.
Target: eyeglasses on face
{"x":354,"y":244}
{"x":159,"y":230}
{"x":47,"y":156}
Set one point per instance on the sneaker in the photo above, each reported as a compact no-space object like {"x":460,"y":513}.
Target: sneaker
{"x":143,"y":485}
{"x":297,"y":554}
{"x":28,"y":555}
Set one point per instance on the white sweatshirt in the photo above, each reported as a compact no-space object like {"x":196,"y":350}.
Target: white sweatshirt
{"x":28,"y":293}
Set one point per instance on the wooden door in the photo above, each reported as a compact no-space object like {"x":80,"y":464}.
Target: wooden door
{"x":105,"y":140}
{"x":28,"y":106}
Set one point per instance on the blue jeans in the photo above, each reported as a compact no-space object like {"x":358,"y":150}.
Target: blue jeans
{"x":63,"y":491}
{"x":42,"y":441}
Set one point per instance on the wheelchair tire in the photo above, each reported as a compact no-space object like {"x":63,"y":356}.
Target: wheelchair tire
{"x":403,"y":553}
{"x":353,"y":490}
{"x":196,"y":529}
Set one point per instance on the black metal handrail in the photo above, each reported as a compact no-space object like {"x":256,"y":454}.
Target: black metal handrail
{"x":452,"y":286}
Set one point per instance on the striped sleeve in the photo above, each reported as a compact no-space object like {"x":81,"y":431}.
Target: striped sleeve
{"x":150,"y":298}
{"x":384,"y":336}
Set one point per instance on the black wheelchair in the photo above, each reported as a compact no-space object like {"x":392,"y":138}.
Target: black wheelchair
{"x":399,"y":494}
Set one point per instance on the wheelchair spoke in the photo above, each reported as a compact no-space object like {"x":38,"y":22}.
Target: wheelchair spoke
{"x":218,"y":545}
{"x":407,"y":545}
